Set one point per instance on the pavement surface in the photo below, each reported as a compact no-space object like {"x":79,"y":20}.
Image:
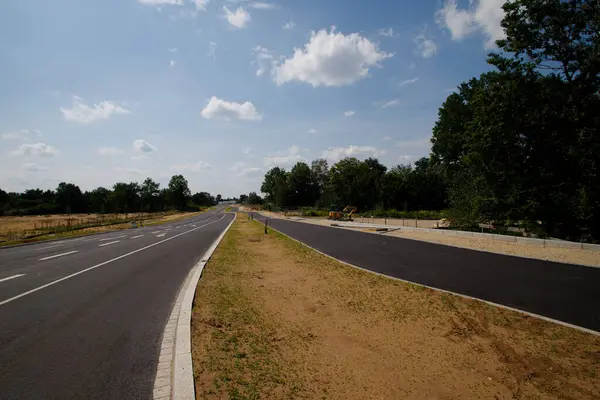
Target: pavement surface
{"x":82,"y":318}
{"x":564,"y":292}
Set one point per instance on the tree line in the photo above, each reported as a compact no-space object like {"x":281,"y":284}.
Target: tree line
{"x":366,"y":184}
{"x":519,"y":145}
{"x":123,"y":197}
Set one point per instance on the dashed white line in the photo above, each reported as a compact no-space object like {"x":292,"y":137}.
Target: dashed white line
{"x":138,"y":236}
{"x":156,"y":232}
{"x":11,"y":277}
{"x":111,"y":238}
{"x":101,"y":264}
{"x":59,"y":255}
{"x":161,"y":235}
{"x":109,"y":243}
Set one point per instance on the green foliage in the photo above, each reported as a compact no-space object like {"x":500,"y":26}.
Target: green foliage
{"x":179,"y":192}
{"x":521,"y":143}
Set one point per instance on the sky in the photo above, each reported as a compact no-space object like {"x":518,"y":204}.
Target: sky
{"x":100,"y":91}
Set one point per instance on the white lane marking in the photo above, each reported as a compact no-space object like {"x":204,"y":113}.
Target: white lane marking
{"x":49,"y":247}
{"x":135,"y":237}
{"x":101,"y":264}
{"x":193,"y":225}
{"x":59,"y":255}
{"x":161,"y":235}
{"x":11,"y":277}
{"x":156,"y":232}
{"x":109,"y":243}
{"x":111,"y":238}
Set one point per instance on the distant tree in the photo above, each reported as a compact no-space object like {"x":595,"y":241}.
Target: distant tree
{"x":320,"y":176}
{"x":275,"y":186}
{"x":203,"y":199}
{"x":243,"y":198}
{"x":149,"y":193}
{"x":254,"y":199}
{"x":98,"y":200}
{"x":179,"y":192}
{"x":303,"y":191}
{"x":219,"y":198}
{"x":69,"y":198}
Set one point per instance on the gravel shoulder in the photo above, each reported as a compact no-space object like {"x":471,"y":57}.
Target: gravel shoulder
{"x":273,"y":319}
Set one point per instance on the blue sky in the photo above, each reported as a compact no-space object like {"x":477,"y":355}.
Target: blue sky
{"x":99,"y":91}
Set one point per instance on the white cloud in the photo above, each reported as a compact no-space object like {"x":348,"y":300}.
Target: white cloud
{"x":349,"y":113}
{"x":386,"y":139}
{"x":335,"y":154}
{"x":221,"y":109}
{"x":35,"y":150}
{"x":33,"y":167}
{"x":263,"y":6}
{"x":172,"y":63}
{"x":312,"y":131}
{"x":408,"y":82}
{"x":23,"y":134}
{"x":242,"y":169}
{"x":264,"y":60}
{"x":141,"y":146}
{"x":330,"y":59}
{"x":110,"y":151}
{"x":482,"y":16}
{"x":387,"y":32}
{"x":289,"y":25}
{"x":132,"y":171}
{"x":239,"y":18}
{"x":157,"y":2}
{"x":173,"y":49}
{"x":201,"y":4}
{"x":427,"y":47}
{"x":82,"y":113}
{"x":247,"y":151}
{"x":212,"y":49}
{"x":390,"y":103}
{"x":406,"y":158}
{"x":191,"y":167}
{"x":287,"y":159}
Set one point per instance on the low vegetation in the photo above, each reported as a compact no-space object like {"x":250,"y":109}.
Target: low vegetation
{"x":273,"y":319}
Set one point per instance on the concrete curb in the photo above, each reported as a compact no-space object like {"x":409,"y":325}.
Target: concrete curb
{"x":579,"y":328}
{"x":176,"y":350}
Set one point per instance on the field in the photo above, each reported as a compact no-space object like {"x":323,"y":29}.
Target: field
{"x":31,"y":228}
{"x":272,"y":319}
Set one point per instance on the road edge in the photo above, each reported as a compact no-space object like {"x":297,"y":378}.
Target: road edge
{"x":176,"y":358}
{"x":548,"y":319}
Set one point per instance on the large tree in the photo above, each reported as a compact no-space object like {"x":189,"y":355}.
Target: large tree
{"x":149,"y":193}
{"x":302,"y":189}
{"x":179,"y":192}
{"x":69,"y":198}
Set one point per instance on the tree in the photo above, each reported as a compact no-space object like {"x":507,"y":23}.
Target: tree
{"x":243,"y":198}
{"x":320,"y":176}
{"x":357,"y":183}
{"x":275,"y":186}
{"x":254,"y":199}
{"x":219,"y":198}
{"x":203,"y":199}
{"x":149,"y":193}
{"x":302,"y":189}
{"x":98,"y":199}
{"x":69,"y":198}
{"x":179,"y":192}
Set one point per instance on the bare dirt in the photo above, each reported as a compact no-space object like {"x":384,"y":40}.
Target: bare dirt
{"x":273,"y":319}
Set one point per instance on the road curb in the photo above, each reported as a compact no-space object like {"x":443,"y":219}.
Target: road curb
{"x":579,"y":328}
{"x":177,"y":350}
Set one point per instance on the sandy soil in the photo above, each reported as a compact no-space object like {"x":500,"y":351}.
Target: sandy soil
{"x":570,"y":256}
{"x":273,"y":319}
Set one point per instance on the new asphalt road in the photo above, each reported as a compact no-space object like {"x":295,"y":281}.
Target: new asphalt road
{"x":83,"y":318}
{"x":565,"y":292}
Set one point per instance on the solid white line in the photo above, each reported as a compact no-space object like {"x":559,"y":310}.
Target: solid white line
{"x":101,"y":264}
{"x":58,"y":255}
{"x":556,"y":321}
{"x":109,"y":243}
{"x":135,"y":237}
{"x":111,"y":238}
{"x":11,"y":277}
{"x":49,"y":247}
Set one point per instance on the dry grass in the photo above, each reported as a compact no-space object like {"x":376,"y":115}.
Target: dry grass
{"x":15,"y":230}
{"x":273,"y":319}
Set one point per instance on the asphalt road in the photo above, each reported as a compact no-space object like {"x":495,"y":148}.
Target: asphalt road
{"x":96,"y":333}
{"x":565,"y":292}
